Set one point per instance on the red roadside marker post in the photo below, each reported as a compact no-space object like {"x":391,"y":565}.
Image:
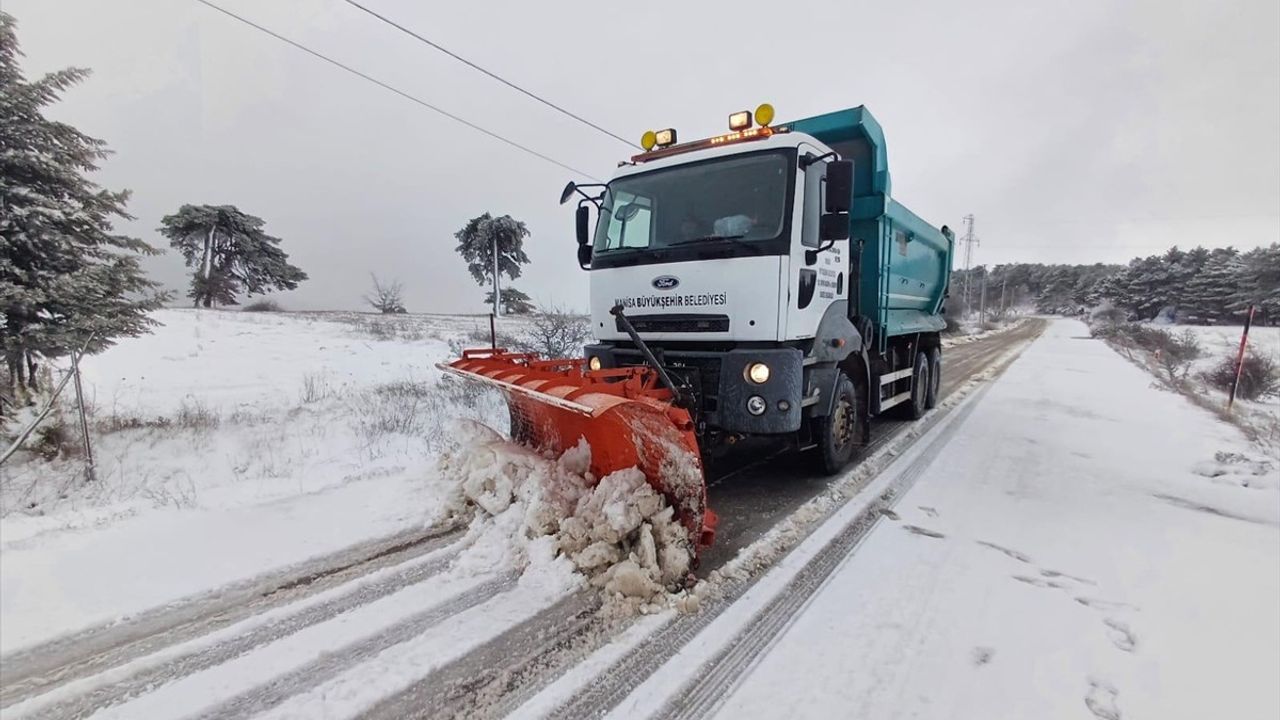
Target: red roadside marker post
{"x":1244,"y":339}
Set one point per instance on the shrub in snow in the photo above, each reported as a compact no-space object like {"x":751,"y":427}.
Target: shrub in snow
{"x":263,"y":306}
{"x":1230,"y":468}
{"x":479,"y":338}
{"x":54,"y":439}
{"x":389,"y":413}
{"x":1173,"y":353}
{"x":387,"y":298}
{"x":1259,"y":376}
{"x":1107,"y":314}
{"x":315,"y":387}
{"x":193,"y":414}
{"x":619,"y":533}
{"x":555,"y":333}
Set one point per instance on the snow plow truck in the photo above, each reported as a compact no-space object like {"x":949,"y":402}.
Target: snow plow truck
{"x":763,"y":282}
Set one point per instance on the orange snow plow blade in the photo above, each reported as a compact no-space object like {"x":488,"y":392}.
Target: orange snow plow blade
{"x":626,"y":417}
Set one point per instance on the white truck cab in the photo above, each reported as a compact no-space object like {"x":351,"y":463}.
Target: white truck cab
{"x":711,"y":246}
{"x":727,"y":264}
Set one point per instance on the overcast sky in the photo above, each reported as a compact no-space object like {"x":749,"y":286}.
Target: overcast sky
{"x":1076,"y":131}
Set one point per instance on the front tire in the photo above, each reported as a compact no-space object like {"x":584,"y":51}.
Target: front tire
{"x":839,"y":433}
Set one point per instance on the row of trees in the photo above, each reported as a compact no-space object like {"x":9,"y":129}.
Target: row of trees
{"x":1199,"y":285}
{"x":1063,"y":289}
{"x":1195,"y":286}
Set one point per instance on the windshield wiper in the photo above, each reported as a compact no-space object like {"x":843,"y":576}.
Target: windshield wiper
{"x":704,"y":238}
{"x":735,"y":239}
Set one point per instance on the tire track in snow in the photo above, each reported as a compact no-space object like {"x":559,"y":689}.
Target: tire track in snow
{"x":712,"y":684}
{"x":331,"y":664}
{"x":202,"y":658}
{"x":461,"y":687}
{"x":36,"y":670}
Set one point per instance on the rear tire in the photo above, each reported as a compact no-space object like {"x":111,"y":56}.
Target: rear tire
{"x":915,"y":407}
{"x":839,"y":433}
{"x":935,"y":377}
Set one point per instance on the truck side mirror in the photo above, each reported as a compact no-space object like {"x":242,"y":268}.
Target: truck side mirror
{"x":833,"y":226}
{"x":839,"y":186}
{"x":583,"y":219}
{"x":568,"y":192}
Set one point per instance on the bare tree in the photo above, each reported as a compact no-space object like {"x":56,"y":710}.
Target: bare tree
{"x":388,"y":298}
{"x":556,"y":333}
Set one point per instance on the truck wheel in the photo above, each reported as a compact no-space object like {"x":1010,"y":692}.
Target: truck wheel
{"x":839,"y":433}
{"x":935,"y":377}
{"x":915,"y":406}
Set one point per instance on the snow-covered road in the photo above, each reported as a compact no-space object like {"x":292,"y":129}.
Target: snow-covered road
{"x":1062,"y":554}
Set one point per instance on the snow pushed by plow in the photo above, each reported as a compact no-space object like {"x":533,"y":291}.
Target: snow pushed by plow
{"x":537,"y":513}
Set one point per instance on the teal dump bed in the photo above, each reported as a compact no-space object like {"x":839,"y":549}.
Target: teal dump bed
{"x":906,"y":262}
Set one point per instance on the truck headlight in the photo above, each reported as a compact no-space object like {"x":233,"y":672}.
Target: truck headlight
{"x":758,"y":373}
{"x":594,"y":362}
{"x":756,"y":405}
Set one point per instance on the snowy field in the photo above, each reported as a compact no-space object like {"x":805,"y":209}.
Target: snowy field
{"x":1218,"y":343}
{"x":228,"y":443}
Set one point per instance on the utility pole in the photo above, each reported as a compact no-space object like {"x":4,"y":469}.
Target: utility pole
{"x":90,"y":472}
{"x":982,"y":301}
{"x":1004,"y":285}
{"x":969,"y":241}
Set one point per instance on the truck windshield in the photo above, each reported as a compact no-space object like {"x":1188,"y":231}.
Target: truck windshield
{"x":740,"y":199}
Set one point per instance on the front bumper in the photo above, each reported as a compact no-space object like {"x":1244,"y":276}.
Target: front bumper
{"x":719,"y":379}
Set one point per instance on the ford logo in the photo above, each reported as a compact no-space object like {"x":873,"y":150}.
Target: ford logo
{"x":666,"y":282}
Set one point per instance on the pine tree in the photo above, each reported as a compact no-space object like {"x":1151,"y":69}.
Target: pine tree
{"x":514,"y":302}
{"x":65,"y":276}
{"x":1208,"y":291}
{"x":230,"y":252}
{"x":476,"y":243}
{"x":1258,"y":283}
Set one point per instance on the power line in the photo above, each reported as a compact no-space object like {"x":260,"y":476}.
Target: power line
{"x":395,"y":90}
{"x":493,"y":75}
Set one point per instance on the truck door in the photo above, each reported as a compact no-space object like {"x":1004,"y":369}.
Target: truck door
{"x":813,"y":286}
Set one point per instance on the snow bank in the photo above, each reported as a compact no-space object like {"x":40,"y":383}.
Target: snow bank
{"x":538,"y":512}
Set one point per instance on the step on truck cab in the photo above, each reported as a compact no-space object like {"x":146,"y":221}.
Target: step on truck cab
{"x":772,"y":277}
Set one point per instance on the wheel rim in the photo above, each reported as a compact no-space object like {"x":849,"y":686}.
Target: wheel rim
{"x":842,"y":422}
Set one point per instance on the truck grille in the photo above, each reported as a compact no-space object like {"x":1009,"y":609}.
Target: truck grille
{"x":677,"y":323}
{"x":707,"y":372}
{"x":703,"y":372}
